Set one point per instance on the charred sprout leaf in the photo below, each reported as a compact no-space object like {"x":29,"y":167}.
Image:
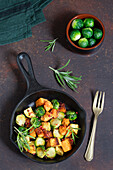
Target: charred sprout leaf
{"x":51,"y":44}
{"x":64,"y":77}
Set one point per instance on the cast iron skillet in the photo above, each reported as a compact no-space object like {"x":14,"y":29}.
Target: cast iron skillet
{"x":35,"y":91}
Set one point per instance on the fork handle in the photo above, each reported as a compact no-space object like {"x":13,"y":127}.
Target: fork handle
{"x":90,"y":149}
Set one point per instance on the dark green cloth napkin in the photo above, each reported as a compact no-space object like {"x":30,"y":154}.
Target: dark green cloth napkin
{"x":18,"y":17}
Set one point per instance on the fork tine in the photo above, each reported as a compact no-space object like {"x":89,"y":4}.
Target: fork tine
{"x":99,"y":99}
{"x":95,"y":99}
{"x":103,"y":99}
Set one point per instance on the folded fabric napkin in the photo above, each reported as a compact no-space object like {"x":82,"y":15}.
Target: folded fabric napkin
{"x":18,"y":17}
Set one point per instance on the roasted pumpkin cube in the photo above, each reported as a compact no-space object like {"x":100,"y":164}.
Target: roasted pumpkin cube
{"x":39,"y":132}
{"x":40,"y":102}
{"x":52,"y":142}
{"x":32,"y":148}
{"x":46,"y":117}
{"x":46,"y":125}
{"x":62,"y":108}
{"x":66,"y":145}
{"x":32,"y":132}
{"x":54,"y":113}
{"x":48,"y":105}
{"x":62,"y":130}
{"x":47,"y":134}
{"x":65,"y":122}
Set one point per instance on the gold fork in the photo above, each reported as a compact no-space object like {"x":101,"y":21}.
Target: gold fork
{"x":98,"y":106}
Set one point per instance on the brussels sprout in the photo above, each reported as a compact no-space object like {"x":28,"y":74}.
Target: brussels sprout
{"x":55,"y":123}
{"x":35,"y":122}
{"x":97,"y":33}
{"x":61,"y":115}
{"x":83,"y":42}
{"x":22,"y":129}
{"x":89,"y":22}
{"x":87,"y":32}
{"x":55,"y":104}
{"x":51,"y":152}
{"x":75,"y":35}
{"x":20,"y":120}
{"x":40,"y":152}
{"x":40,"y":111}
{"x":71,"y":115}
{"x":92,"y":41}
{"x":77,"y":24}
{"x":39,"y":141}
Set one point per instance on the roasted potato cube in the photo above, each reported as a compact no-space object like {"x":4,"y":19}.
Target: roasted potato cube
{"x":62,"y":130}
{"x":40,"y":102}
{"x":46,"y":125}
{"x":74,"y":126}
{"x":54,"y":113}
{"x":62,"y":108}
{"x":32,"y":132}
{"x":29,"y":113}
{"x":47,"y":116}
{"x":48,"y":105}
{"x":52,"y":142}
{"x":59,"y":150}
{"x":65,"y":122}
{"x":66,"y":145}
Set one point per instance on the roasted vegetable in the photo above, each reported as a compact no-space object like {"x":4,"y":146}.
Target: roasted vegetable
{"x":48,"y":105}
{"x":40,"y":111}
{"x":20,"y":120}
{"x":39,"y":141}
{"x":55,"y":104}
{"x":61,"y":115}
{"x":32,"y":132}
{"x":57,"y":134}
{"x":47,"y":116}
{"x":51,"y":152}
{"x":46,"y":125}
{"x":55,"y":123}
{"x":29,"y":113}
{"x":65,"y":122}
{"x":54,"y":113}
{"x":53,"y":142}
{"x":71,"y":115}
{"x":62,"y":130}
{"x":40,"y":152}
{"x":59,"y":150}
{"x":35,"y":122}
{"x":66,"y":145}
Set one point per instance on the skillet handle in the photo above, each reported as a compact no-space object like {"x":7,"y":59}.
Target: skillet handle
{"x":32,"y":84}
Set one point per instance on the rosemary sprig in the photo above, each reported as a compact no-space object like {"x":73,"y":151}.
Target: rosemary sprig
{"x":21,"y":138}
{"x":64,"y":77}
{"x":51,"y":44}
{"x":73,"y":133}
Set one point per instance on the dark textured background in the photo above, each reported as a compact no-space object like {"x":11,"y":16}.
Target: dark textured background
{"x":96,"y":70}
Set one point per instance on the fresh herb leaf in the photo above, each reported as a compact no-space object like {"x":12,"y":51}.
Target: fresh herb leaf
{"x":51,"y":44}
{"x":73,"y":134}
{"x":65,"y":77}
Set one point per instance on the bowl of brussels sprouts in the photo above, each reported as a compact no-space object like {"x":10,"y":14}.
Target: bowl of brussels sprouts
{"x":85,"y":32}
